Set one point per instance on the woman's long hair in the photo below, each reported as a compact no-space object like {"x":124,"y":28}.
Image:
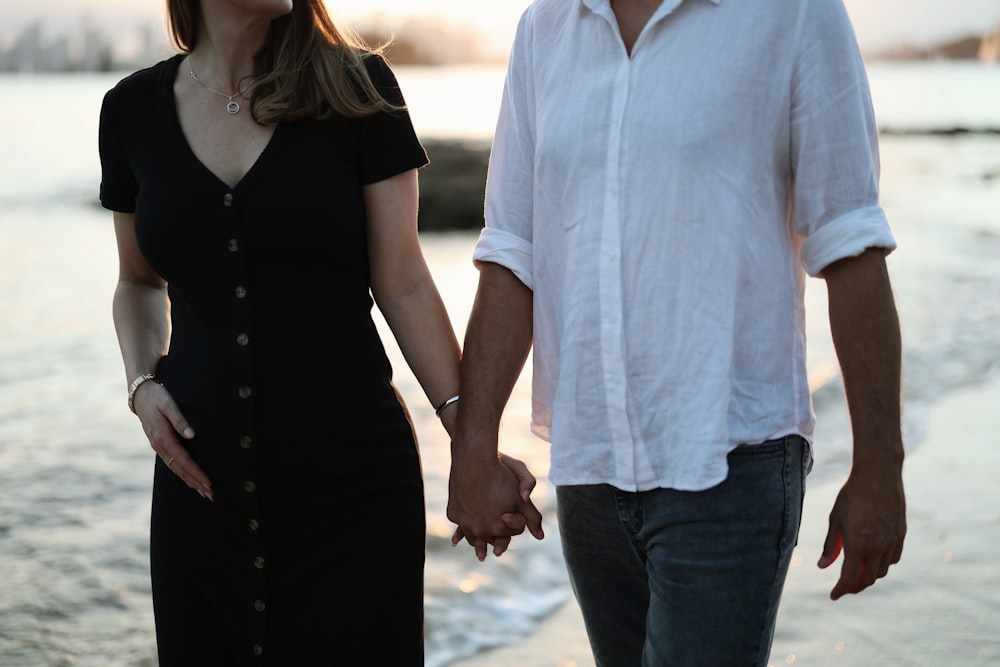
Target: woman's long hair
{"x":309,"y":68}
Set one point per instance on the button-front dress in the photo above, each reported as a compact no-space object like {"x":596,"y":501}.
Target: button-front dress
{"x":313,"y":551}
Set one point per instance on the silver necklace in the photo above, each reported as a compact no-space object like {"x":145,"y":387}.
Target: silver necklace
{"x":232,"y":106}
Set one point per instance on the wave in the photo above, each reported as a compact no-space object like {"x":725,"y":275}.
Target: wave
{"x":947,"y":131}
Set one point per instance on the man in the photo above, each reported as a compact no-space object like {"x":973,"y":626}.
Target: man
{"x":663,"y":177}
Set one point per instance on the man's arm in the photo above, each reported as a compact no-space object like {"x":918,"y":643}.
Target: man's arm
{"x":868,"y":520}
{"x":498,"y":338}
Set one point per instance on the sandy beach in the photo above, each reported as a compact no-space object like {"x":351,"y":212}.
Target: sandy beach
{"x":939,"y":606}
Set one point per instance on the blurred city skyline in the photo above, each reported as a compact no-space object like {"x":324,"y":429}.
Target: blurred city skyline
{"x":121,"y":34}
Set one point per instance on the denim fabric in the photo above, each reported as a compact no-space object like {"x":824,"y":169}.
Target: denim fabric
{"x":670,"y":578}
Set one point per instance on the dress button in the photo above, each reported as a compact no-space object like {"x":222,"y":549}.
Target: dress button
{"x":228,"y":199}
{"x":258,"y":649}
{"x":249,"y":486}
{"x":233,"y":245}
{"x":254,"y":525}
{"x":240,"y":292}
{"x":242,"y":339}
{"x":245,"y":392}
{"x":259,"y":605}
{"x":245,"y":442}
{"x":258,"y":562}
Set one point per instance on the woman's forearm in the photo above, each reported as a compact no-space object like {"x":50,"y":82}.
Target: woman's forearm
{"x":422,"y":329}
{"x":142,"y":324}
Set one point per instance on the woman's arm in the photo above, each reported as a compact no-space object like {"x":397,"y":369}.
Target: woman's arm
{"x":140,"y":308}
{"x":406,"y":294}
{"x":141,"y":314}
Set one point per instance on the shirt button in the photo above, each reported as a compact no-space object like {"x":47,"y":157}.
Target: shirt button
{"x":242,"y":339}
{"x":249,"y":486}
{"x":258,"y":562}
{"x":227,"y":200}
{"x":258,"y":649}
{"x":245,"y":442}
{"x":245,"y":391}
{"x":240,"y":292}
{"x":233,"y":245}
{"x":259,"y":605}
{"x":254,"y":525}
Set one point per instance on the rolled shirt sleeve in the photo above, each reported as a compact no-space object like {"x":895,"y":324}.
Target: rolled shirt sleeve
{"x":834,"y":143}
{"x":508,"y":250}
{"x":507,"y":238}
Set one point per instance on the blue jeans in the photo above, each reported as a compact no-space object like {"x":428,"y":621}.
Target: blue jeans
{"x":670,"y":578}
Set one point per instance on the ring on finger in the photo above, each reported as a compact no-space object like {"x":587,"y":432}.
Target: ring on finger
{"x":170,"y":462}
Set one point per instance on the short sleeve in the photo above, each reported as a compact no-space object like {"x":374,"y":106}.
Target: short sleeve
{"x":118,"y":187}
{"x":389,"y":144}
{"x":834,"y":149}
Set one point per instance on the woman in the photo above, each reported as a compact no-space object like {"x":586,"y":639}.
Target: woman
{"x":263,"y":183}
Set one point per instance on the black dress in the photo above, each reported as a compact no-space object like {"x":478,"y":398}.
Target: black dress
{"x":313,"y":551}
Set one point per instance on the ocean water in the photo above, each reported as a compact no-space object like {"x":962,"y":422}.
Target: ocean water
{"x":75,"y":469}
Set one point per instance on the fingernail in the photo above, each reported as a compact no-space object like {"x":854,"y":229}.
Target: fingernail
{"x":188,"y":432}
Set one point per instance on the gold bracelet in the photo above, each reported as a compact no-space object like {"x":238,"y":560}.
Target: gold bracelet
{"x":438,"y":409}
{"x":136,"y":383}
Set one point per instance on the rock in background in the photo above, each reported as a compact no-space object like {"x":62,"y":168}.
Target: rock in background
{"x":453,"y":185}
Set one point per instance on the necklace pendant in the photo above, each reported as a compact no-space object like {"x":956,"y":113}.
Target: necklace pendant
{"x":232,"y":107}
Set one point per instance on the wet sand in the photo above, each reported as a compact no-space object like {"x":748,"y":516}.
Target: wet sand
{"x":939,"y":606}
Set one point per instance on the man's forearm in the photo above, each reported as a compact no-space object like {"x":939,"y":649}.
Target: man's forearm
{"x":482,"y":490}
{"x":868,"y":518}
{"x":866,"y":335}
{"x":497,"y":342}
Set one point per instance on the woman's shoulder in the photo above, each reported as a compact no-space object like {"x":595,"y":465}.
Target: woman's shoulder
{"x":378,"y":68}
{"x":382,"y":77}
{"x":142,"y":84}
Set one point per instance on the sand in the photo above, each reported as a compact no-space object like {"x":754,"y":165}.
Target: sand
{"x":939,"y":606}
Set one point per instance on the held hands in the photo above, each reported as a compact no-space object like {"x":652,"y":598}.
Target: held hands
{"x":164,"y":426}
{"x":868,"y":522}
{"x":491,"y":502}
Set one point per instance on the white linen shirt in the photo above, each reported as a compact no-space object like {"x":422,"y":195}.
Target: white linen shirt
{"x":664,"y":208}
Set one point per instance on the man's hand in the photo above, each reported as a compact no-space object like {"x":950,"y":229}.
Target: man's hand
{"x":490,"y":502}
{"x":488,"y":493}
{"x":868,"y":522}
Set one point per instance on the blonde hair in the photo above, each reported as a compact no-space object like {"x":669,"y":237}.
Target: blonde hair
{"x":309,"y":68}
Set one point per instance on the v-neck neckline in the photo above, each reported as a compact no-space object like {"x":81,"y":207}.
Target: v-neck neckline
{"x":186,"y":151}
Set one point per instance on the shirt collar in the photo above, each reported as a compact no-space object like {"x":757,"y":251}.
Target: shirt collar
{"x":594,"y":5}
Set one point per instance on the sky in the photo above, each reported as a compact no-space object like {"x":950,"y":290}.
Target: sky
{"x":878,"y":23}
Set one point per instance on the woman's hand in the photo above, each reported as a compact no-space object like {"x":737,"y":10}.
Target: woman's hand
{"x":165,"y":426}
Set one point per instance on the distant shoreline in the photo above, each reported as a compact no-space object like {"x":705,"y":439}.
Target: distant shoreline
{"x":92,"y":44}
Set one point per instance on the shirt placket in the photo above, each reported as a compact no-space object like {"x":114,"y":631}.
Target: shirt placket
{"x":610,"y":285}
{"x":244,"y":435}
